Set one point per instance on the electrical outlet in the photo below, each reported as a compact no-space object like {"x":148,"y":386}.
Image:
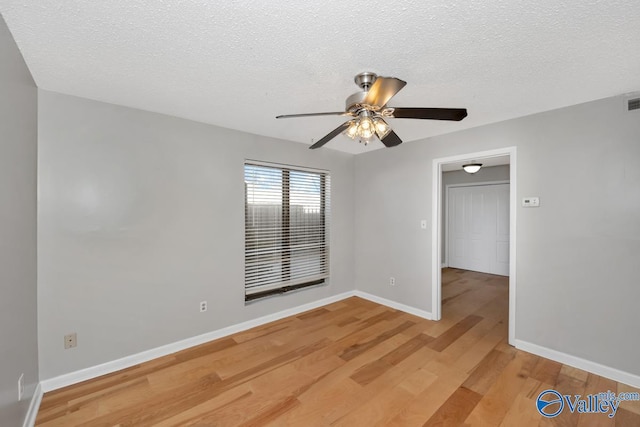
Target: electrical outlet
{"x":20,"y":387}
{"x":392,"y":281}
{"x":70,"y":341}
{"x":203,"y":306}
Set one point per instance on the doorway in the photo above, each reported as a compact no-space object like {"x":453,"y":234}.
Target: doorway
{"x":438,"y":220}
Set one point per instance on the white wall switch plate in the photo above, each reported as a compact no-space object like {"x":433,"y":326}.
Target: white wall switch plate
{"x":531,"y":202}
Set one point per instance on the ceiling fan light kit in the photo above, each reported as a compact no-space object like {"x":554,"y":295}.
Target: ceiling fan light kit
{"x":365,"y":127}
{"x":369,"y":109}
{"x":472,"y":167}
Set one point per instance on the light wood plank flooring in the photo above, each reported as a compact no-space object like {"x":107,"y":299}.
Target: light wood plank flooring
{"x":352,"y":363}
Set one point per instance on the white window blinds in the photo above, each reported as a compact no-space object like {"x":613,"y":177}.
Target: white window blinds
{"x":286,"y":229}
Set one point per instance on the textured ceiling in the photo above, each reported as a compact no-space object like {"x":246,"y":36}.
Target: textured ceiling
{"x":238,"y":64}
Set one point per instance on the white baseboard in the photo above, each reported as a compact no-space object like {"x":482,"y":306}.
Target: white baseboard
{"x":32,"y":412}
{"x":577,"y":362}
{"x":396,"y":305}
{"x":145,"y":356}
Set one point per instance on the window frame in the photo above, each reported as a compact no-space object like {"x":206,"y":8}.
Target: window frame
{"x":288,"y":281}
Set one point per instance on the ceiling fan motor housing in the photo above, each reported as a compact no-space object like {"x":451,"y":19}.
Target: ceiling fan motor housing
{"x":364,"y":80}
{"x":355,"y":102}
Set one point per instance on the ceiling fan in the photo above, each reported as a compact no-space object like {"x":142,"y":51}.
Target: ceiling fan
{"x":369,"y":110}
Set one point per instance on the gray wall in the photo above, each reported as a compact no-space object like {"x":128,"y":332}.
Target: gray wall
{"x":488,"y":174}
{"x":141,"y":216}
{"x":577,"y":254}
{"x":18,"y":156}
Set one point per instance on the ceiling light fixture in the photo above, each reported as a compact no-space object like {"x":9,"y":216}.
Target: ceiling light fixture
{"x":366,"y":126}
{"x":472,"y":167}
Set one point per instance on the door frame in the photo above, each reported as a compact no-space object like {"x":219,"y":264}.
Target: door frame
{"x":436,"y":229}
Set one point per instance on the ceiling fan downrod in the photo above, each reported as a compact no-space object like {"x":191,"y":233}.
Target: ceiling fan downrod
{"x":355,"y":102}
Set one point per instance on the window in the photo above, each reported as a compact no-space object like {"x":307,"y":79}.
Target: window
{"x":286,"y":229}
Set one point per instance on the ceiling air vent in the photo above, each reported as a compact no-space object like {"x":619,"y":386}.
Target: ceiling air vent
{"x":633,"y":104}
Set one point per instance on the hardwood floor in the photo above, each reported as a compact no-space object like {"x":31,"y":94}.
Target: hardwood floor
{"x":352,"y":363}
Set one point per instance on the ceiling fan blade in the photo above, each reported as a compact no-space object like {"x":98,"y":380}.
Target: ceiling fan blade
{"x":391,"y":140}
{"x":382,"y":90}
{"x":330,"y":136}
{"x":455,"y":114}
{"x":336,"y":113}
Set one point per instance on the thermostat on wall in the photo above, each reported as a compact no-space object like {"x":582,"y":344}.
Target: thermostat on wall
{"x":531,"y":202}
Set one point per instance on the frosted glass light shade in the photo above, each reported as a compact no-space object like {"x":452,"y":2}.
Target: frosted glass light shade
{"x":472,"y":167}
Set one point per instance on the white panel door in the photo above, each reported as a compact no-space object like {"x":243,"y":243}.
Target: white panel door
{"x":478,"y":218}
